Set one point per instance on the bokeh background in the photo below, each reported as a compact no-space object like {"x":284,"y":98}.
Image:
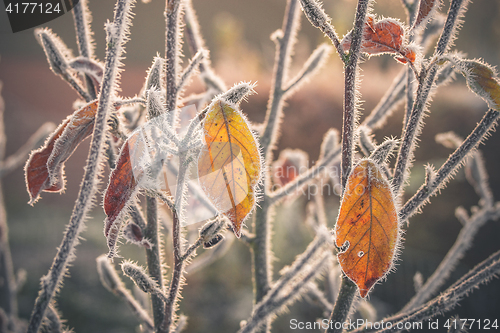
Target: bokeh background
{"x":237,"y":32}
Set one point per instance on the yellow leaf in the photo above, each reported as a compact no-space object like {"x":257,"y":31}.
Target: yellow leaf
{"x":229,"y":165}
{"x":367,"y":227}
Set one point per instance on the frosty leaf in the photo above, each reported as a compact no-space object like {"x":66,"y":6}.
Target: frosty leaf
{"x":45,"y":167}
{"x":424,"y":10}
{"x":367,"y":227}
{"x":384,"y":36}
{"x":121,"y":190}
{"x":229,"y":166}
{"x":483,"y":81}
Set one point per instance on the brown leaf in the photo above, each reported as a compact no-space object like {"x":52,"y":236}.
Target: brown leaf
{"x":121,"y":190}
{"x":45,"y":167}
{"x":367,"y":227}
{"x":229,"y":166}
{"x":384,"y":36}
{"x":425,"y":8}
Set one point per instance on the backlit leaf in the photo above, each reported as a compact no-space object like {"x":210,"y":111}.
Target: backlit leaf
{"x":121,"y":190}
{"x":45,"y":167}
{"x":483,"y":81}
{"x":229,"y":166}
{"x":384,"y":36}
{"x":367,"y":227}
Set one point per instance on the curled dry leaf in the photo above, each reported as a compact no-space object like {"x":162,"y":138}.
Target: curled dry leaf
{"x":44,"y":169}
{"x":384,"y":36}
{"x":229,"y":166}
{"x":483,"y":81}
{"x":367,"y":227}
{"x":121,"y":190}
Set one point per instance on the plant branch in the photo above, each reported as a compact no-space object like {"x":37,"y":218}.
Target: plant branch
{"x":350,"y":98}
{"x":304,"y":178}
{"x":154,"y":258}
{"x":284,"y":39}
{"x":342,"y":308}
{"x":116,"y":38}
{"x":172,"y":11}
{"x":481,"y":274}
{"x":456,"y":252}
{"x":413,"y":125}
{"x":318,"y":18}
{"x":177,"y":217}
{"x":81,"y":17}
{"x":448,"y":168}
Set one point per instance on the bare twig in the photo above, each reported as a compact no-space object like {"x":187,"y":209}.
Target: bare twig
{"x":456,"y":252}
{"x":413,"y":126}
{"x":448,"y":168}
{"x":318,"y":18}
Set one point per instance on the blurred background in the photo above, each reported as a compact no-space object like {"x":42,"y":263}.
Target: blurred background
{"x":237,"y":32}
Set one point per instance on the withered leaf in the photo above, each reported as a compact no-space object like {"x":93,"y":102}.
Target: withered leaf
{"x":121,"y":190}
{"x":44,"y":169}
{"x":229,"y":166}
{"x":384,"y":36}
{"x":367,"y":227}
{"x":483,"y":81}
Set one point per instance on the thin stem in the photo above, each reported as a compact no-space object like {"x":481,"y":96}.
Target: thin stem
{"x":456,"y":252}
{"x":426,"y":82}
{"x":153,"y":257}
{"x":447,"y":300}
{"x":8,"y":297}
{"x":177,"y":216}
{"x":271,"y":305}
{"x":304,"y":178}
{"x":348,"y":290}
{"x":65,"y":253}
{"x":172,"y":9}
{"x":350,"y":100}
{"x":260,"y":248}
{"x":447,"y":169}
{"x":320,"y":20}
{"x":196,"y":43}
{"x":84,"y":40}
{"x":284,"y":45}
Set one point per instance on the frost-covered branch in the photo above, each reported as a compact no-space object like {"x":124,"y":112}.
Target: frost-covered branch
{"x":116,"y":33}
{"x":471,"y":226}
{"x":437,"y":181}
{"x":426,"y":84}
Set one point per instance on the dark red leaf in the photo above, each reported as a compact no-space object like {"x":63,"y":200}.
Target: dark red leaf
{"x":45,"y":167}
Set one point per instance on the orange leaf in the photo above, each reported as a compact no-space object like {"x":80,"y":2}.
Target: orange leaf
{"x":367,"y":227}
{"x":384,"y":36}
{"x":229,"y":166}
{"x":45,"y":166}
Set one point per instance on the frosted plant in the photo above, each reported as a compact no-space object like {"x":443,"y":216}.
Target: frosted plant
{"x":222,"y":163}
